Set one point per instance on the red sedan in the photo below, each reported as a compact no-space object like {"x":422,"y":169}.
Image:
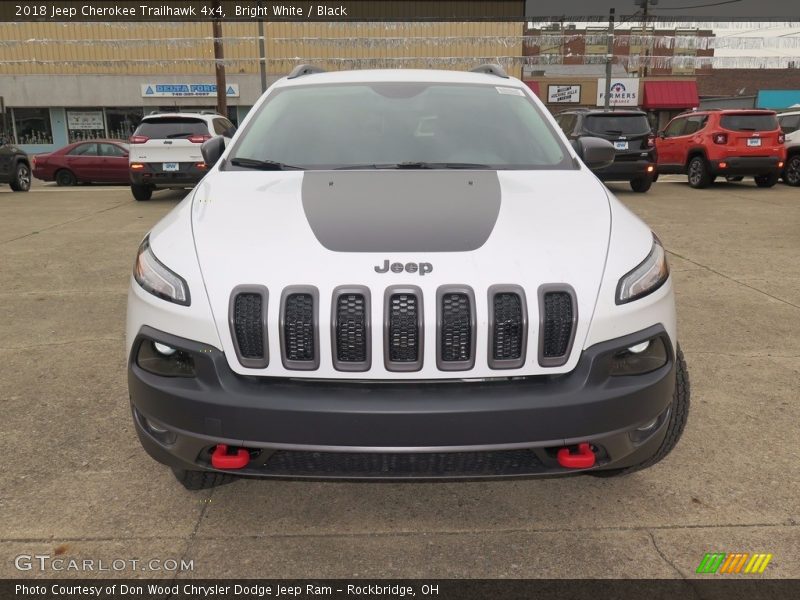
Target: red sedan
{"x":103,"y":161}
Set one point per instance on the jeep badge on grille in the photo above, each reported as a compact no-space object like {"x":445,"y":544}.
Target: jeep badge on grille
{"x":421,"y":268}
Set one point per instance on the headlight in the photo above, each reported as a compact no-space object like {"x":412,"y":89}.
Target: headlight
{"x":156,"y":278}
{"x":646,"y":278}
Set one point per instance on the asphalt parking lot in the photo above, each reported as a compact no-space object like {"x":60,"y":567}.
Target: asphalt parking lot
{"x":76,"y":483}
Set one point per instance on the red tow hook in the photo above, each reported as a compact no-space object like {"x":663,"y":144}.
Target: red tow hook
{"x":582,"y":460}
{"x":222,"y":459}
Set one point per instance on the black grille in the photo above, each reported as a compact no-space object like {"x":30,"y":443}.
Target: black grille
{"x":351,"y":328}
{"x":456,"y":328}
{"x":507,"y":336}
{"x":439,"y":464}
{"x":248,"y":327}
{"x":298,"y":328}
{"x":557,"y":326}
{"x":403,"y":328}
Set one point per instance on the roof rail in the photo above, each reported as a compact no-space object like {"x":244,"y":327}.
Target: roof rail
{"x":209,"y":112}
{"x":491,"y":69}
{"x":301,"y":70}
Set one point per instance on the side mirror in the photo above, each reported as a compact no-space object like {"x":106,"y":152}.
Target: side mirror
{"x":596,"y":153}
{"x":212,"y":149}
{"x":662,"y":134}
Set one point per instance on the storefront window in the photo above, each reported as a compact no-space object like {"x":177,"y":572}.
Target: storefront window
{"x":85,"y":124}
{"x":6,"y":133}
{"x":32,"y":125}
{"x":123,"y":121}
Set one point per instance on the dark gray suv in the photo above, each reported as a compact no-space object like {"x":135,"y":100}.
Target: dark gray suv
{"x":632,"y":136}
{"x":15,"y":168}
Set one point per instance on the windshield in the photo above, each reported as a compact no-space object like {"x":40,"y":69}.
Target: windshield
{"x":618,"y":124}
{"x":172,"y":127}
{"x":751,"y":122}
{"x":399,"y":125}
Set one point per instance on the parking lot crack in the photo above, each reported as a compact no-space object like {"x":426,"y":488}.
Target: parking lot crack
{"x":55,"y":225}
{"x":733,"y":279}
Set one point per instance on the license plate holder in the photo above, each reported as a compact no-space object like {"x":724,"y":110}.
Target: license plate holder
{"x":754,"y":142}
{"x":170,"y":166}
{"x":620,"y":145}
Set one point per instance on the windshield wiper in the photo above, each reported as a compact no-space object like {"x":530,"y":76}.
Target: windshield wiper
{"x":172,"y":136}
{"x":417,"y":165}
{"x":263,"y":165}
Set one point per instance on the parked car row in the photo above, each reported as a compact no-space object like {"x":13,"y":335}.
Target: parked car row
{"x":164,"y":151}
{"x":703,"y":144}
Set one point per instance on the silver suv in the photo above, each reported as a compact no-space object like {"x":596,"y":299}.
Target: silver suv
{"x":165,"y":150}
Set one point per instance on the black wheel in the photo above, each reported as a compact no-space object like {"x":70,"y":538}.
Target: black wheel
{"x":65,"y":177}
{"x":641,"y":185}
{"x":142,"y":192}
{"x":767,"y":181}
{"x":736,"y":178}
{"x":791,"y":174}
{"x":679,"y":411}
{"x":22,"y":178}
{"x":699,"y":177}
{"x":201,"y":480}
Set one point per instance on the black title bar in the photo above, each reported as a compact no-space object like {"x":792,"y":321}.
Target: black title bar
{"x":395,"y":10}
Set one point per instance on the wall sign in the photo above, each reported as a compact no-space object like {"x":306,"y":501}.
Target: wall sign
{"x":564,"y":94}
{"x":85,"y":119}
{"x":624,"y":91}
{"x":181,"y":90}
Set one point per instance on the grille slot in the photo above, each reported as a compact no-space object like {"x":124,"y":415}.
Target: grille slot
{"x":351,"y":329}
{"x":403,"y":330}
{"x":247,"y":316}
{"x":558,"y":316}
{"x":403,"y":464}
{"x":299,"y":328}
{"x":456,"y":334}
{"x":508,"y":327}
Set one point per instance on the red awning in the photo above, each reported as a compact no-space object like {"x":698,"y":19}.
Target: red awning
{"x":670,"y":94}
{"x":534,"y":85}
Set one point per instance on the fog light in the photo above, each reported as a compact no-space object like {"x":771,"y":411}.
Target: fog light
{"x":640,"y":358}
{"x":650,"y":168}
{"x":723,"y":165}
{"x":159,"y":431}
{"x":644,"y":431}
{"x":780,"y":165}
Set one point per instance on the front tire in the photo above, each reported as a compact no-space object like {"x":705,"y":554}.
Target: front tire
{"x":679,"y":411}
{"x":791,"y":174}
{"x":66,"y":178}
{"x":22,"y":178}
{"x":767,"y":181}
{"x":141,"y":192}
{"x":641,"y":185}
{"x":201,"y":480}
{"x":699,"y":177}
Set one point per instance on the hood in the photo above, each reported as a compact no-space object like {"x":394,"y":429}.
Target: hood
{"x":411,"y":228}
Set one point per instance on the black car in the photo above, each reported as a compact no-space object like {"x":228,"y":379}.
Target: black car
{"x":15,"y":168}
{"x":633,"y":139}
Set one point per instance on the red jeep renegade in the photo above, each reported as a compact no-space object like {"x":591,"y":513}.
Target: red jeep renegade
{"x":706,"y":144}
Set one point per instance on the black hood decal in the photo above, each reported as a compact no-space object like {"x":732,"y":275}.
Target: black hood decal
{"x":401,"y":211}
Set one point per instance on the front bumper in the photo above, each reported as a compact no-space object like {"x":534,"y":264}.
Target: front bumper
{"x":745,"y":165}
{"x":299,"y":428}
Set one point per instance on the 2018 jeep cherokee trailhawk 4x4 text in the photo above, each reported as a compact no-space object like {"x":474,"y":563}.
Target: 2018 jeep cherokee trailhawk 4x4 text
{"x":376,"y":280}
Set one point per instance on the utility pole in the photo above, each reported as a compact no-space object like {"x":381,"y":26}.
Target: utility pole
{"x":609,"y":58}
{"x":645,"y":4}
{"x":219,"y":55}
{"x":262,"y":56}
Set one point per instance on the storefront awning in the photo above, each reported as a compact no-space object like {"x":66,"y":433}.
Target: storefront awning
{"x":670,"y":95}
{"x":534,"y":85}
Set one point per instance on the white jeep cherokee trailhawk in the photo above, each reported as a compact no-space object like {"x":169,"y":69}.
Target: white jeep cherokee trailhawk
{"x":403,"y":274}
